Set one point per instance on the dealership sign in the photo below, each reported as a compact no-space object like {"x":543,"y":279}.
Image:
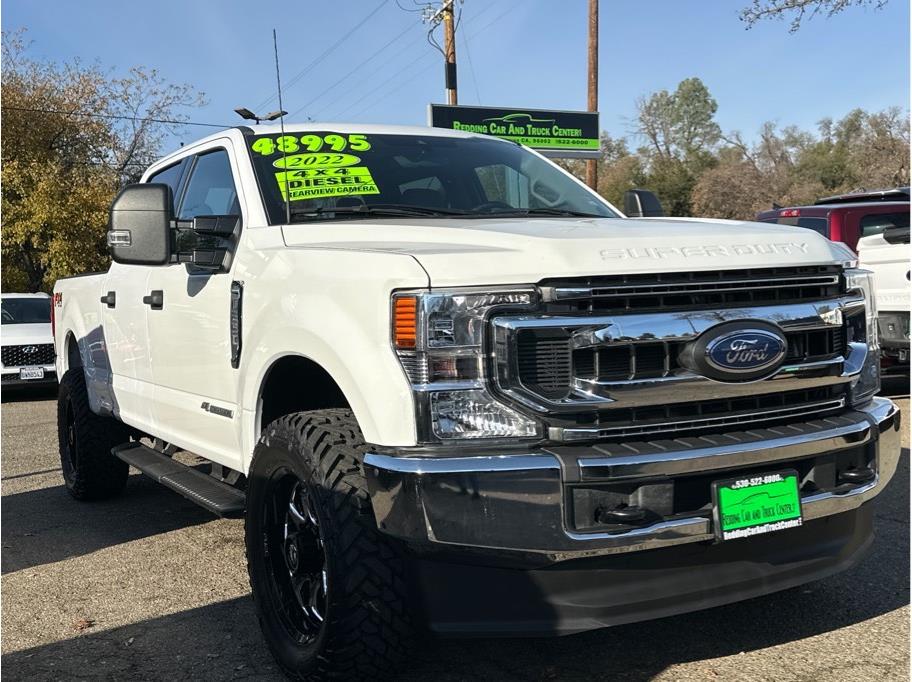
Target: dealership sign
{"x":554,"y":133}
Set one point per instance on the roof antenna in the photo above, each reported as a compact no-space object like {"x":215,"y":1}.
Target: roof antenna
{"x":275,"y":47}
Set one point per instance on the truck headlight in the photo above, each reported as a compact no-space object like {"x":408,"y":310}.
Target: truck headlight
{"x":439,"y":339}
{"x":868,"y":381}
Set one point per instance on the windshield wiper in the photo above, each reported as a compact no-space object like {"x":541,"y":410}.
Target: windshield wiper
{"x":392,"y":210}
{"x":522,"y":212}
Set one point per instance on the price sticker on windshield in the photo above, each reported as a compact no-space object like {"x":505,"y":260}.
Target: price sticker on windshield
{"x":314,"y":166}
{"x":330,"y":181}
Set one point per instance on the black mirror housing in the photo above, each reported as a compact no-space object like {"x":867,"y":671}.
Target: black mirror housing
{"x":218,"y":225}
{"x":641,"y":203}
{"x":139,"y":232}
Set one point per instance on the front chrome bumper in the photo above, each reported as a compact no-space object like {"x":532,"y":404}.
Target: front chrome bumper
{"x":517,"y":502}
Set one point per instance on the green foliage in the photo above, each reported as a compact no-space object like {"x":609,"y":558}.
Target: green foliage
{"x":61,"y":168}
{"x":694,"y":169}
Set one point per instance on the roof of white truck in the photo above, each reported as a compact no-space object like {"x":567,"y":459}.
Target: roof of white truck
{"x":366,"y":128}
{"x":12,"y":295}
{"x":347,"y":128}
{"x":356,"y":128}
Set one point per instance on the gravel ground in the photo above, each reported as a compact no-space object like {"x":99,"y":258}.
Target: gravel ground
{"x":148,"y":586}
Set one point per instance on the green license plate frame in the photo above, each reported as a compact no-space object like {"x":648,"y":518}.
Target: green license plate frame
{"x":756,"y":505}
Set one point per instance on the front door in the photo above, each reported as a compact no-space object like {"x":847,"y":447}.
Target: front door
{"x":195,"y":404}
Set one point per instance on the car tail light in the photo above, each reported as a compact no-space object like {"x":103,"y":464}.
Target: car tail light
{"x":789,"y":213}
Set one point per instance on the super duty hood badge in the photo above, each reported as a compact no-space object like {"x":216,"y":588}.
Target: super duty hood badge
{"x":736,"y":351}
{"x":705,"y":251}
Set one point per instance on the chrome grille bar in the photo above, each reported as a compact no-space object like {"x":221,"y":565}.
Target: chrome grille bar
{"x":696,"y":424}
{"x":568,"y":293}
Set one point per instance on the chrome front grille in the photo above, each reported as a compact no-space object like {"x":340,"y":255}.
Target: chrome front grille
{"x":703,"y":415}
{"x":638,"y":361}
{"x":683,"y":290}
{"x":592,"y":364}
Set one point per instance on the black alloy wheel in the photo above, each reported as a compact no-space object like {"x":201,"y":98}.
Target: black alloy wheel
{"x":295,"y":548}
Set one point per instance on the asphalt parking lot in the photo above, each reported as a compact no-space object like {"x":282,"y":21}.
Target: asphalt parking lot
{"x":148,"y":586}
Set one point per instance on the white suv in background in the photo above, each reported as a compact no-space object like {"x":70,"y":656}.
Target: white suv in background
{"x":26,"y":340}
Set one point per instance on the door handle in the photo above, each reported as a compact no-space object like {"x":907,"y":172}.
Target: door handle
{"x":110,"y":299}
{"x":155,"y":299}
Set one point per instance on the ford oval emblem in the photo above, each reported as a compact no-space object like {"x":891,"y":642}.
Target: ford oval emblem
{"x":746,"y":351}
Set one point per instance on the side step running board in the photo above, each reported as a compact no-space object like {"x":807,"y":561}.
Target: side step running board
{"x":219,"y":498}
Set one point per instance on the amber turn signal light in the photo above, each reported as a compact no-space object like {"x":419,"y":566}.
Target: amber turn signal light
{"x":405,"y":322}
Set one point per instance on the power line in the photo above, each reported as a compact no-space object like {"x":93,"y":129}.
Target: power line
{"x":465,"y":44}
{"x":351,"y":73}
{"x":399,"y":72}
{"x":116,"y":116}
{"x":418,"y":73}
{"x":323,"y":55}
{"x":377,"y":88}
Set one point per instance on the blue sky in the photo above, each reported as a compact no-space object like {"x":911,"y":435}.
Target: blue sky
{"x":524,"y":53}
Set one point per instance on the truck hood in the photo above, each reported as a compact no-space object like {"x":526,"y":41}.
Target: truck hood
{"x":521,"y":251}
{"x":19,"y":334}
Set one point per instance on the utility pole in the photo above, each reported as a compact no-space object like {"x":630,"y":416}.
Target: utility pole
{"x":449,"y":50}
{"x":592,"y":164}
{"x":446,"y":15}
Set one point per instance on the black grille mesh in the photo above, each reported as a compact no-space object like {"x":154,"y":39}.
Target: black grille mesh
{"x":636,"y":361}
{"x":684,"y":290}
{"x":35,"y":354}
{"x":544,"y":362}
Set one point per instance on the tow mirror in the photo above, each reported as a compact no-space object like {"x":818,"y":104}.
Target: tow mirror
{"x":139,"y":232}
{"x":641,"y":203}
{"x":205,"y":241}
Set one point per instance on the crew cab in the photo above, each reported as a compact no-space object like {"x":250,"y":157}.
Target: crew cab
{"x":451,"y":388}
{"x":26,"y":341}
{"x":849,"y":217}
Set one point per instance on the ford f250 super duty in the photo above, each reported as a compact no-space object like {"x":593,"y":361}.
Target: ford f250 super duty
{"x":452,"y":389}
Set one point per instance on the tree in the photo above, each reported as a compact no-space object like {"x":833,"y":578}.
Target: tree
{"x":760,"y":10}
{"x":792,"y":167}
{"x":681,"y":135}
{"x":680,"y":124}
{"x":72,"y":135}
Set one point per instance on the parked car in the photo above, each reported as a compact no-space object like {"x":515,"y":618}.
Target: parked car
{"x":450,"y":387}
{"x":887,"y":254}
{"x":847,"y":218}
{"x":26,"y":340}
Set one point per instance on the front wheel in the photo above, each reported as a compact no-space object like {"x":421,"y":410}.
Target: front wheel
{"x":329,"y":588}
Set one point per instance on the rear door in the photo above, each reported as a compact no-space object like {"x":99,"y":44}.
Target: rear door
{"x":195,"y":384}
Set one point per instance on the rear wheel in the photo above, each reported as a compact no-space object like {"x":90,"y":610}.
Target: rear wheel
{"x":330,"y":590}
{"x":90,"y":471}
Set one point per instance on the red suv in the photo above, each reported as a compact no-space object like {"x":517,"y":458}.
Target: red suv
{"x":847,"y":217}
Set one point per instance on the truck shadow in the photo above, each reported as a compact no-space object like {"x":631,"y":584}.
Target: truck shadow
{"x":221,"y":641}
{"x":895,"y":386}
{"x":24,"y":394}
{"x":47,"y":525}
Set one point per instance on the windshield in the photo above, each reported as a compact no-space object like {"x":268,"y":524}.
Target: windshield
{"x":334,"y":176}
{"x":26,"y":310}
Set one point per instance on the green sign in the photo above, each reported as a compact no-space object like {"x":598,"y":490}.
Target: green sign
{"x":555,"y":133}
{"x":756,"y":505}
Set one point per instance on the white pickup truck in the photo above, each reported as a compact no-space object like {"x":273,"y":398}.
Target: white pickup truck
{"x":451,"y":388}
{"x":887,"y":255}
